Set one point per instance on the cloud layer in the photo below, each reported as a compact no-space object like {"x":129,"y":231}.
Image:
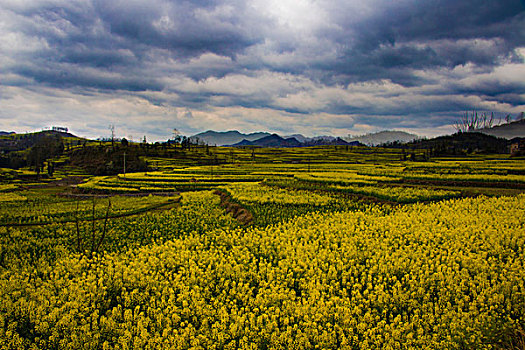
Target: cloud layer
{"x":309,"y":66}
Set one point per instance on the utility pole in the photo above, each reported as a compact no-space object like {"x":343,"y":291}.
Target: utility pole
{"x":124,"y":163}
{"x":112,"y":128}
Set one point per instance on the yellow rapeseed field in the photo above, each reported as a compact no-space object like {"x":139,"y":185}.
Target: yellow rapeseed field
{"x":446,"y":275}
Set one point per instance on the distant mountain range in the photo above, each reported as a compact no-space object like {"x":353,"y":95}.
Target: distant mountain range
{"x":507,"y":131}
{"x":275,"y":140}
{"x":220,"y":138}
{"x":383,"y":137}
{"x":264,"y":139}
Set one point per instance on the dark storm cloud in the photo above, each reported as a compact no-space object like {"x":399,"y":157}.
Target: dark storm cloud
{"x":441,"y":19}
{"x":388,"y":43}
{"x":122,"y":36}
{"x":69,"y":77}
{"x":186,"y":29}
{"x":401,"y":36}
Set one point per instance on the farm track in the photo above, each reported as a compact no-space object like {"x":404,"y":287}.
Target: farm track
{"x":241,"y":214}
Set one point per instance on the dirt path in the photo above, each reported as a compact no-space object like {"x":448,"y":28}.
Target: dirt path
{"x":243,"y":215}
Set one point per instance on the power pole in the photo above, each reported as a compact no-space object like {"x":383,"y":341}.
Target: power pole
{"x":112,"y":128}
{"x":124,"y":164}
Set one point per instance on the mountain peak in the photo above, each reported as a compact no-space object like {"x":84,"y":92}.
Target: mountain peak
{"x":223,"y":138}
{"x":272,"y":140}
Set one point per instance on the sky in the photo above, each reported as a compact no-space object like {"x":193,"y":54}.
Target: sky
{"x":314,"y":67}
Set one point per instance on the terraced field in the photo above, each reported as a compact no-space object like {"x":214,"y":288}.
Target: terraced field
{"x":292,"y":249}
{"x":401,"y":182}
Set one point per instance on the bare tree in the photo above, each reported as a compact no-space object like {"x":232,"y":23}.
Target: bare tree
{"x":486,"y":120}
{"x":474,"y":121}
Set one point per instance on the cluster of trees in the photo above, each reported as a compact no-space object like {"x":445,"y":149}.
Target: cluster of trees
{"x":33,"y":151}
{"x":47,"y":146}
{"x":36,"y":149}
{"x":458,"y":144}
{"x":13,"y":160}
{"x":461,"y":144}
{"x":185,"y":142}
{"x":101,"y":160}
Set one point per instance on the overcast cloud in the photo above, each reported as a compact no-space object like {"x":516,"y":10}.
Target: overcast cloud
{"x":288,"y":66}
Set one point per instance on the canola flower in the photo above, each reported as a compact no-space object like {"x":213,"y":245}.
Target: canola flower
{"x":259,"y":193}
{"x":135,"y":183}
{"x":7,"y":187}
{"x":475,"y":166}
{"x":434,"y":276}
{"x":399,"y":194}
{"x":196,"y":213}
{"x":343,"y":178}
{"x":40,"y":210}
{"x":181,"y":177}
{"x":468,"y":177}
{"x":11,"y":197}
{"x":207,"y":177}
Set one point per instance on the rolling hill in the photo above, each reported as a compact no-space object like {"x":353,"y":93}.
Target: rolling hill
{"x":382,"y":137}
{"x":507,"y":131}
